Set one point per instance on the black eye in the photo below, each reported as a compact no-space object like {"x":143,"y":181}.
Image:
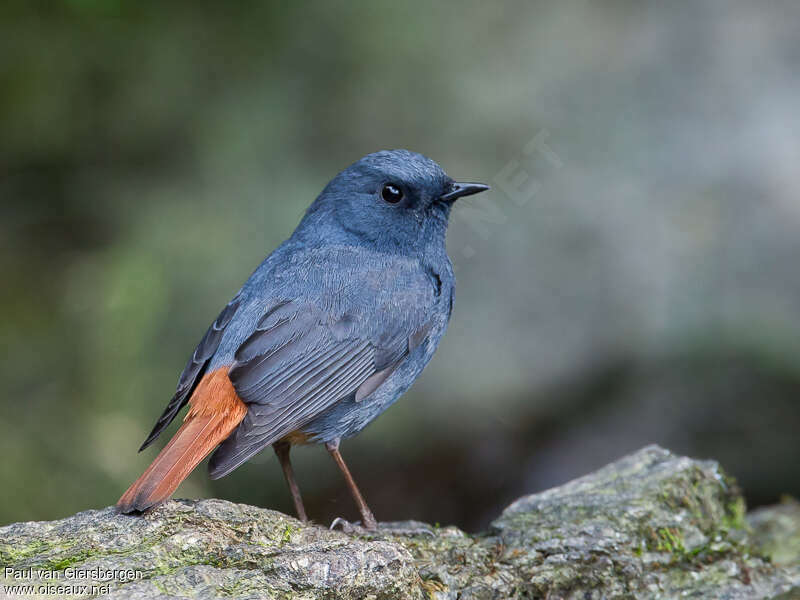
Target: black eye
{"x":391,"y":193}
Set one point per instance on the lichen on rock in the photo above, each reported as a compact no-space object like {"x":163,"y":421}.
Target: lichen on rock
{"x":651,"y":525}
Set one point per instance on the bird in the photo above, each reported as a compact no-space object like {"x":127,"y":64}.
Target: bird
{"x":327,"y":332}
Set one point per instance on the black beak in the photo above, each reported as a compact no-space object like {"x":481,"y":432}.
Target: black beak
{"x":459,"y":190}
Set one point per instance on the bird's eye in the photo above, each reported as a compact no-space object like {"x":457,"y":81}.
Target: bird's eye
{"x":391,"y":193}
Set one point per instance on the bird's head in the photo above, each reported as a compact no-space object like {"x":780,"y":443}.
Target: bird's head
{"x":392,"y":197}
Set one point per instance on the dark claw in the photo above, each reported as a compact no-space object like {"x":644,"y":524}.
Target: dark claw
{"x":347,"y":526}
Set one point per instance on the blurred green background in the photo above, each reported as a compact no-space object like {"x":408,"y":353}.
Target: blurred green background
{"x":631,"y":279}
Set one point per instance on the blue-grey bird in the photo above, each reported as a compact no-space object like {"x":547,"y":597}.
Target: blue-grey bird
{"x":326,"y":333}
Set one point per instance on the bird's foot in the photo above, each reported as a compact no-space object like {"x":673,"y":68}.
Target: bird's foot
{"x":347,"y":526}
{"x":401,"y":528}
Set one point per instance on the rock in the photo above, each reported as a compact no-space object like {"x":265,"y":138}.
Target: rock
{"x":649,"y":525}
{"x":776,"y":532}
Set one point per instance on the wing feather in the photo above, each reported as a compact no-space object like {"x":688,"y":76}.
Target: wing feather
{"x":194,"y":370}
{"x":295,"y":365}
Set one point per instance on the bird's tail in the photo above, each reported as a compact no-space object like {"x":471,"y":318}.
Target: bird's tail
{"x":215,"y":412}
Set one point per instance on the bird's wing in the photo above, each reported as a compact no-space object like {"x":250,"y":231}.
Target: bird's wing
{"x":296,"y":364}
{"x":194,"y":369}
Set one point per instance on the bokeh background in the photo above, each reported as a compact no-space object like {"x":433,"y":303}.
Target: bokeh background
{"x":632,"y":278}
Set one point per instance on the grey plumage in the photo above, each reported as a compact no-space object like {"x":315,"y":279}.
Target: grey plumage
{"x":341,"y":318}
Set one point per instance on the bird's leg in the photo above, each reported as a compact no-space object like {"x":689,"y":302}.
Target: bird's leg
{"x":282,"y":450}
{"x":366,"y":514}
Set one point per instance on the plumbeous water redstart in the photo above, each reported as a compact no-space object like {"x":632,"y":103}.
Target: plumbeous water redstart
{"x":326,"y":333}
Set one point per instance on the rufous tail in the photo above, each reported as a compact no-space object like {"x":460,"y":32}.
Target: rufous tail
{"x":215,"y":412}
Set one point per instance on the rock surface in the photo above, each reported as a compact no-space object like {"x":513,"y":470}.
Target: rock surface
{"x":651,"y":525}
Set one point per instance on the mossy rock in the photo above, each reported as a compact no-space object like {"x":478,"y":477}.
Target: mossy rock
{"x":651,"y":525}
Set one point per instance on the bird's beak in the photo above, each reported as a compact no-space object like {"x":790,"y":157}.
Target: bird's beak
{"x":459,"y":190}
